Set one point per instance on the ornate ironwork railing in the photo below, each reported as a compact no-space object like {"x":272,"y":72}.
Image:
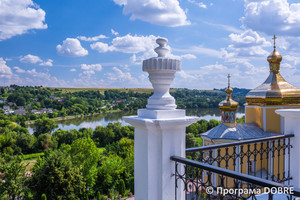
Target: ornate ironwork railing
{"x":205,"y":181}
{"x":267,"y":158}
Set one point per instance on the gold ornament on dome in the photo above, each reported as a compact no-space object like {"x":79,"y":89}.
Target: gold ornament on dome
{"x":275,"y":90}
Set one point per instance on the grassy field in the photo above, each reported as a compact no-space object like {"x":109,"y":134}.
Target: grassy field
{"x":75,"y":89}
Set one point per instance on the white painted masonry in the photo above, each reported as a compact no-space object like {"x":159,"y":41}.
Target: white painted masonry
{"x":159,"y":132}
{"x":292,"y":126}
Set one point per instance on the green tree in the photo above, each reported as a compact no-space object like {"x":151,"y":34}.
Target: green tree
{"x":20,"y":101}
{"x":12,"y":177}
{"x":241,"y":120}
{"x":55,"y":175}
{"x":86,"y":155}
{"x":65,"y":137}
{"x":44,"y":125}
{"x":191,"y":141}
{"x":103,"y":135}
{"x":45,"y":141}
{"x":212,"y":123}
{"x":110,"y":172}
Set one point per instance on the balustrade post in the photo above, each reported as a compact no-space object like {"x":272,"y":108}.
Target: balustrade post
{"x":292,"y":126}
{"x":159,"y":132}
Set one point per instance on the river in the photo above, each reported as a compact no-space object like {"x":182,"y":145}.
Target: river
{"x":106,"y":118}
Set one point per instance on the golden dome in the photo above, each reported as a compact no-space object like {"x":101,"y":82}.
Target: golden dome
{"x":228,"y":107}
{"x":274,"y":57}
{"x":228,"y":102}
{"x":275,"y":90}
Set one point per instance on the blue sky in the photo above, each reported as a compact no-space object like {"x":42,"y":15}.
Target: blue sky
{"x":101,"y":43}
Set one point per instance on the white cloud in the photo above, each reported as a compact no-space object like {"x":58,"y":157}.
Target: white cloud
{"x":47,"y":63}
{"x":18,"y":17}
{"x":36,"y":60}
{"x":272,"y":17}
{"x":30,"y":59}
{"x":248,"y":43}
{"x":101,"y":47}
{"x":134,"y":44}
{"x":19,"y":70}
{"x":94,"y":67}
{"x":142,"y":47}
{"x":4,"y":69}
{"x":120,"y":77}
{"x":73,"y":70}
{"x":89,"y":70}
{"x":127,"y":44}
{"x":159,"y":12}
{"x":248,"y":38}
{"x":91,"y":39}
{"x":33,"y":77}
{"x":188,"y":56}
{"x":71,"y":47}
{"x":185,"y":75}
{"x":114,"y":32}
{"x":199,"y":4}
{"x":88,"y":73}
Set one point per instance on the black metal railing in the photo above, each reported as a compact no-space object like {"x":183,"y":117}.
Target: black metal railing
{"x":205,"y":181}
{"x":267,"y":158}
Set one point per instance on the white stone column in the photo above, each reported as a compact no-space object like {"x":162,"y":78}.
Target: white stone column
{"x":159,"y":132}
{"x":292,"y":126}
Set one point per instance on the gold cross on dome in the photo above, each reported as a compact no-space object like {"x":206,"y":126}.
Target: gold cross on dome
{"x":228,"y":80}
{"x":274,"y":38}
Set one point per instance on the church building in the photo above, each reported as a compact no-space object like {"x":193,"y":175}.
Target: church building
{"x":260,"y":117}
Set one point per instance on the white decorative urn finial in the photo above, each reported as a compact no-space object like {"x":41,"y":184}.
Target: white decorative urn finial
{"x":161,"y":71}
{"x":161,"y":50}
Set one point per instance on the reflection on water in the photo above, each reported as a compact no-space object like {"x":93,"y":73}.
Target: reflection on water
{"x":211,"y":113}
{"x":106,"y":118}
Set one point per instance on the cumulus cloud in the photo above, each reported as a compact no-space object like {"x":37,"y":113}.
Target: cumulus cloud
{"x":94,"y":67}
{"x":142,"y":47}
{"x":89,"y":70}
{"x":272,"y":17}
{"x":47,"y":63}
{"x":71,"y":47}
{"x":158,"y":12}
{"x":18,"y":17}
{"x":127,"y":44}
{"x":248,"y":43}
{"x":101,"y":47}
{"x":33,"y":73}
{"x":36,"y":60}
{"x":119,"y":76}
{"x":73,"y":70}
{"x":91,"y":39}
{"x":30,"y":59}
{"x":4,"y":69}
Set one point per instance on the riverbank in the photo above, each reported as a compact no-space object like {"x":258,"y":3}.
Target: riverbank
{"x":74,"y":116}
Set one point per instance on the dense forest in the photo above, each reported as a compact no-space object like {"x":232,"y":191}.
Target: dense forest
{"x":85,"y":163}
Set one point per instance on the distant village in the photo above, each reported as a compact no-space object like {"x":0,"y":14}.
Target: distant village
{"x":12,"y":108}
